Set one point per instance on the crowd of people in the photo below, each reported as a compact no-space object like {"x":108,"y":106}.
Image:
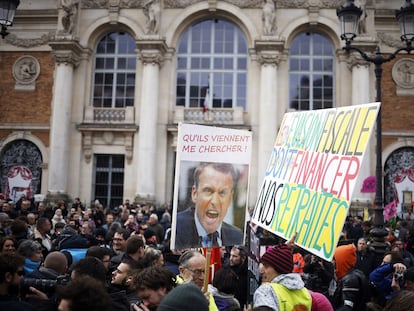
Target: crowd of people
{"x":75,"y":257}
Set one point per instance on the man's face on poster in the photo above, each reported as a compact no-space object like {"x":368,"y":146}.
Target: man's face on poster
{"x":212,"y":197}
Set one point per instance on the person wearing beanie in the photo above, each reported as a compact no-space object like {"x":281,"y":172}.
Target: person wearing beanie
{"x":352,"y":291}
{"x":320,"y":302}
{"x":186,"y":297}
{"x":280,"y":283}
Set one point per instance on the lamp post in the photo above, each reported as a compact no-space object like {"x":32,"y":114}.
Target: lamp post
{"x":7,"y":12}
{"x":349,"y":15}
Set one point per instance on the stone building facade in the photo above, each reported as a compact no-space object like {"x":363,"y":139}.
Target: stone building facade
{"x":93,"y":90}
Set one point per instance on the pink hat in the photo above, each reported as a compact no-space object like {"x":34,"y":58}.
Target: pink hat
{"x":320,"y":302}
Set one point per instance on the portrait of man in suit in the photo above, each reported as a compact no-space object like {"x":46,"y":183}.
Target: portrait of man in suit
{"x":203,"y":223}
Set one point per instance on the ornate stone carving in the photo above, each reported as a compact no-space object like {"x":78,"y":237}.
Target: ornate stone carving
{"x":70,"y":15}
{"x":356,"y":60}
{"x":389,"y":39}
{"x":304,"y":4}
{"x":179,"y":3}
{"x":26,"y":70}
{"x":66,"y":52}
{"x":95,"y":4}
{"x":26,"y":42}
{"x":151,"y":50}
{"x":152,"y":11}
{"x":403,"y":76}
{"x":268,"y":17}
{"x":239,"y":3}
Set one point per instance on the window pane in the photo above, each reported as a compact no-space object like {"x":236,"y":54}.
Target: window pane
{"x":227,"y":53}
{"x":311,"y":55}
{"x":108,"y":178}
{"x":115,"y":57}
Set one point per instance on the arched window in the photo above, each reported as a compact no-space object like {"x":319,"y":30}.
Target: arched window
{"x":114,"y":76}
{"x":311,"y":72}
{"x":212,"y":66}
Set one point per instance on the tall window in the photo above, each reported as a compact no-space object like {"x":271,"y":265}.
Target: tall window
{"x":311,"y":72}
{"x":212,"y":66}
{"x":114,"y":78}
{"x":109,"y":179}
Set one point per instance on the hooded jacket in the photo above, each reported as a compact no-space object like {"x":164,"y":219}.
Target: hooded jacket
{"x":266,"y":296}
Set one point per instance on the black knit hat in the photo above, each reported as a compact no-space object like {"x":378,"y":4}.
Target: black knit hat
{"x":186,"y":297}
{"x":280,"y":258}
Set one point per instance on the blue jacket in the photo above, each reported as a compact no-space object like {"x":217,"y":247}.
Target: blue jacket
{"x":382,"y":280}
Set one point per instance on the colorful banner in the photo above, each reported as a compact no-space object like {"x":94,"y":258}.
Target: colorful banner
{"x":211,"y":186}
{"x":312,"y":173}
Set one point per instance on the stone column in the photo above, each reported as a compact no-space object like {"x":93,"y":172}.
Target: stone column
{"x":151,"y":53}
{"x":67,"y":56}
{"x":269,"y":55}
{"x":361,"y":95}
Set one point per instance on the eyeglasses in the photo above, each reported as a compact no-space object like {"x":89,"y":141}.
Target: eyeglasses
{"x":197,"y":271}
{"x":20,"y":272}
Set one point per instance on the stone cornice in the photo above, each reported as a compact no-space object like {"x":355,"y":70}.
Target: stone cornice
{"x":245,"y":4}
{"x":151,"y":50}
{"x":269,"y":50}
{"x":67,"y":52}
{"x":12,"y":39}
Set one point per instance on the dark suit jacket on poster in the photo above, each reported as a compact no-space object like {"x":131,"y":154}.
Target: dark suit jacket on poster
{"x":187,"y":235}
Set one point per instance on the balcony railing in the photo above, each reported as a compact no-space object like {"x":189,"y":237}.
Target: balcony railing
{"x":224,"y":116}
{"x":109,"y":115}
{"x":233,"y":116}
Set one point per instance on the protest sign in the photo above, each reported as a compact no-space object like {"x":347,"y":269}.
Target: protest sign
{"x":312,"y":173}
{"x":211,"y":186}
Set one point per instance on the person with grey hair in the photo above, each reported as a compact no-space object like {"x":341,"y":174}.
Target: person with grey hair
{"x":156,"y":227}
{"x":32,"y":252}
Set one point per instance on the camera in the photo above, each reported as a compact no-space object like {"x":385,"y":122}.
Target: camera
{"x":398,"y":276}
{"x":138,"y":303}
{"x":45,"y":285}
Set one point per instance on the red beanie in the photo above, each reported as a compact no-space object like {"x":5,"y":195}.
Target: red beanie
{"x":345,"y":259}
{"x":280,"y":258}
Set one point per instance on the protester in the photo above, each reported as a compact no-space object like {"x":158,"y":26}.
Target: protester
{"x":365,"y":258}
{"x":388,"y":277}
{"x":352,"y":291}
{"x":11,"y":274}
{"x":123,"y":279}
{"x":192,"y":269}
{"x":238,"y":263}
{"x":280,"y":285}
{"x":223,"y":289}
{"x":152,"y":285}
{"x":32,"y":252}
{"x":84,"y":293}
{"x":8,"y":245}
{"x":186,"y":297}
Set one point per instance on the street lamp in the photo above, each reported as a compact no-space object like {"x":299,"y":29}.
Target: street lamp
{"x":7,"y":11}
{"x":349,"y":15}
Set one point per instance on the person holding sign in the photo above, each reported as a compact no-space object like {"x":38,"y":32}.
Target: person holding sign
{"x":212,"y":195}
{"x":282,"y":289}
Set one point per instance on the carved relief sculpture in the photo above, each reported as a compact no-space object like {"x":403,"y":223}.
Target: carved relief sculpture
{"x":268,"y":17}
{"x":403,"y":76}
{"x":362,"y":22}
{"x":69,"y":18}
{"x":26,"y":69}
{"x":152,"y":10}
